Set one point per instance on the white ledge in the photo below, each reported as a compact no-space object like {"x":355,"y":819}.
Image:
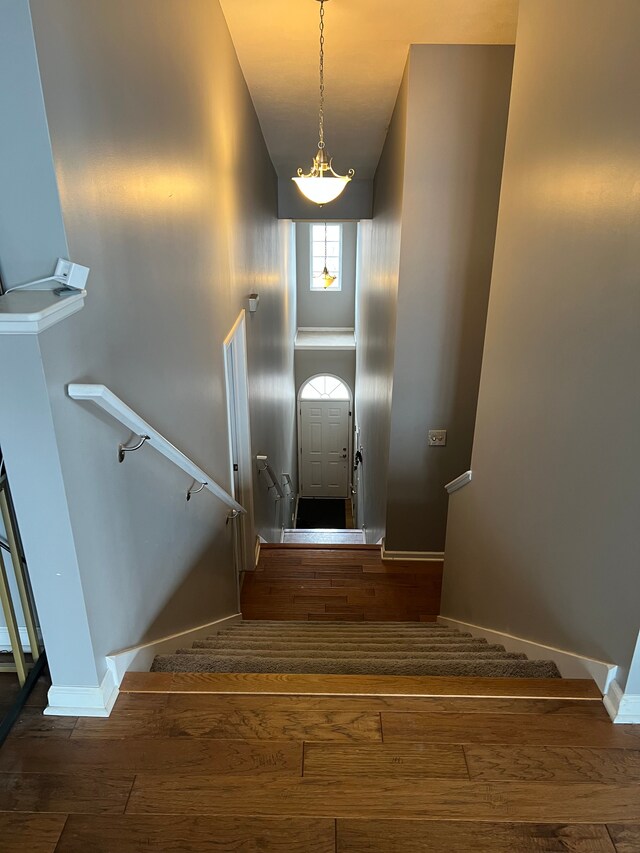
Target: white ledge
{"x":29,"y":312}
{"x":325,"y":339}
{"x":108,"y":402}
{"x":459,"y":482}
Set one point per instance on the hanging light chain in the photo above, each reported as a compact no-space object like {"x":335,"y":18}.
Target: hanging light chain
{"x":321,"y":111}
{"x":322,"y":192}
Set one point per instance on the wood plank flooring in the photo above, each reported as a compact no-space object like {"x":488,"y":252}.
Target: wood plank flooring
{"x":241,"y":763}
{"x":340,"y":584}
{"x":198,"y":772}
{"x":360,"y":685}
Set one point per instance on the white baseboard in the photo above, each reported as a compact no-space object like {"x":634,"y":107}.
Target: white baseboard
{"x":140,"y":658}
{"x":70,"y":701}
{"x":569,"y":664}
{"x":5,"y":642}
{"x":622,"y":707}
{"x":421,"y":556}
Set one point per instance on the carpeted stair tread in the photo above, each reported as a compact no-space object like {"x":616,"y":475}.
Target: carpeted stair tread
{"x":367,"y":631}
{"x":391,"y":654}
{"x":470,"y":667}
{"x":336,"y":626}
{"x":291,"y":625}
{"x":352,"y":648}
{"x":317,"y":632}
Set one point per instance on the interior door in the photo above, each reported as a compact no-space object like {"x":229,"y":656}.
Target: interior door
{"x":324,"y":448}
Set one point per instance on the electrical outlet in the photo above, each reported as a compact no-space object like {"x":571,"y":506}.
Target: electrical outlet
{"x":437,"y":437}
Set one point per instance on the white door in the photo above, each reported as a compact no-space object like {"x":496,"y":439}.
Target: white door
{"x":324,"y":448}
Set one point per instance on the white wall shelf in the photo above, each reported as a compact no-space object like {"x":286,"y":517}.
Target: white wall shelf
{"x":29,"y":312}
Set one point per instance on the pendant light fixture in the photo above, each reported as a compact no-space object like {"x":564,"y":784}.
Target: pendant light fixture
{"x":322,"y":184}
{"x":325,"y":275}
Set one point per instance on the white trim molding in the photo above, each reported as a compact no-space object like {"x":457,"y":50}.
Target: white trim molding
{"x":70,"y":701}
{"x":459,"y":482}
{"x":140,"y":658}
{"x":418,"y":556}
{"x":569,"y":664}
{"x":29,"y":312}
{"x":5,"y":641}
{"x":622,"y":707}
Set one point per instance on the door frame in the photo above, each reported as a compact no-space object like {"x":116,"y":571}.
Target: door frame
{"x":236,"y":374}
{"x":349,"y":430}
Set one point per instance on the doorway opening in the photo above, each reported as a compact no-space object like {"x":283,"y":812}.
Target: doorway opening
{"x":324,"y":438}
{"x":325,"y":413}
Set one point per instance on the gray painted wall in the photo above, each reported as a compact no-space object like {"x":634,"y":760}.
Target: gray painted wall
{"x":340,"y":363}
{"x":334,"y":308}
{"x":28,"y":181}
{"x":456,"y":125}
{"x":31,"y":237}
{"x":376,"y":295}
{"x":544,"y":543}
{"x":168,"y":194}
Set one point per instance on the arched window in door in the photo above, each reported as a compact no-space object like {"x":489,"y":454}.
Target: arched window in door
{"x":325,"y":388}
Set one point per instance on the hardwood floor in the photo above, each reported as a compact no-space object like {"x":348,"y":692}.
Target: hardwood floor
{"x":196,"y":772}
{"x":241,"y":763}
{"x":341,"y":584}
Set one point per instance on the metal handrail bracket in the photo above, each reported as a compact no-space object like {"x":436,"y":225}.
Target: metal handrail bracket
{"x":459,"y":482}
{"x":265,"y":465}
{"x":106,"y":400}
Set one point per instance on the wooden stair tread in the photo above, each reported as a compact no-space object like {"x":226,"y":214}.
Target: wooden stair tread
{"x":354,"y":685}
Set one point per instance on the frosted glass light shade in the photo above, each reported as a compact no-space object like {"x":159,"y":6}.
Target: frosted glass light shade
{"x":320,"y":189}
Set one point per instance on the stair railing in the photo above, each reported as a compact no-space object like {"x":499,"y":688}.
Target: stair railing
{"x":265,"y":466}
{"x":287,"y":484}
{"x":106,"y":400}
{"x":11,"y":547}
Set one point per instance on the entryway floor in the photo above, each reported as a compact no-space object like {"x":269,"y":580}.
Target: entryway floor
{"x":325,"y":513}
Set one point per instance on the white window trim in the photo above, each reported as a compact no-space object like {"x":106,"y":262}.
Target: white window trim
{"x":337,"y":289}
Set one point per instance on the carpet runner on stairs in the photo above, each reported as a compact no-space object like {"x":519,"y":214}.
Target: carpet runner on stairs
{"x":352,"y":648}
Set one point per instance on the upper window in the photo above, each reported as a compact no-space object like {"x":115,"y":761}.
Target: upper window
{"x":326,"y":249}
{"x":325,"y":388}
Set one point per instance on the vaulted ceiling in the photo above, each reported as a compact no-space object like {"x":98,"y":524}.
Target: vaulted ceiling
{"x":365,"y":53}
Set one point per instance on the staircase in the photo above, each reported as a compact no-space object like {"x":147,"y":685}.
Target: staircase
{"x":352,"y":648}
{"x":303,"y":607}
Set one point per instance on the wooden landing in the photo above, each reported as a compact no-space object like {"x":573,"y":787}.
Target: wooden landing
{"x":359,"y":685}
{"x":346,"y":583}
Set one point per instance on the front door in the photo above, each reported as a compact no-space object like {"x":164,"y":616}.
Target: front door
{"x":324,"y":448}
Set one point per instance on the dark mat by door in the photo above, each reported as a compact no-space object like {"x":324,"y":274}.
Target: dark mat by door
{"x":321,"y":512}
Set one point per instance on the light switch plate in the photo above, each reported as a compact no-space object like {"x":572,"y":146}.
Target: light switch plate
{"x":437,"y":437}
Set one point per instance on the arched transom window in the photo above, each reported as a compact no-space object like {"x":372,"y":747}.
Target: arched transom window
{"x":325,"y":388}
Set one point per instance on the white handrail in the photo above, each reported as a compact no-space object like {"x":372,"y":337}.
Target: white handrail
{"x":108,"y":402}
{"x":266,"y":467}
{"x":459,"y":482}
